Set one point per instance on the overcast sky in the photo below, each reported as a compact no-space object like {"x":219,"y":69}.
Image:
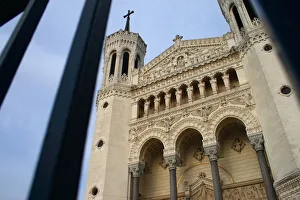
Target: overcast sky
{"x":24,"y":115}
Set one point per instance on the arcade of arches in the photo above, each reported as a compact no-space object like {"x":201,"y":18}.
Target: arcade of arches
{"x":191,"y":173}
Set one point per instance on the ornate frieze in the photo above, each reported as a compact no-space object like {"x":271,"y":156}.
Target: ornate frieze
{"x":289,"y":187}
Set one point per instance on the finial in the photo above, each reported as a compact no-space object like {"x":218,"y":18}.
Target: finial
{"x":177,"y":38}
{"x":127,"y":28}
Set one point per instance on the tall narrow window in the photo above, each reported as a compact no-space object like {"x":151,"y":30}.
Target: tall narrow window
{"x":233,"y":78}
{"x":125,"y":63}
{"x":251,"y":11}
{"x":137,"y":62}
{"x":207,"y":86}
{"x":112,"y":64}
{"x":237,"y":17}
{"x":220,"y":82}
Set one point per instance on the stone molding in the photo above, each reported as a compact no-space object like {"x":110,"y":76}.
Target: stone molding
{"x":257,"y":141}
{"x":289,"y":187}
{"x":106,"y":93}
{"x":212,"y":151}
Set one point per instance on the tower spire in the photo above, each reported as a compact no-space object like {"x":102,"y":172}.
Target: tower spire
{"x":127,"y":27}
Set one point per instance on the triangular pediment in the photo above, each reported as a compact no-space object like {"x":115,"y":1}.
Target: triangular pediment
{"x":182,"y":55}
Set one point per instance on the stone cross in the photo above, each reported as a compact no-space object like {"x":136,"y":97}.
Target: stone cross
{"x":128,"y":19}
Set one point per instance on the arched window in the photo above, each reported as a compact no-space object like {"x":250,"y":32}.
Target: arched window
{"x":141,"y":106}
{"x":137,"y":62}
{"x":173,"y":101}
{"x":112,"y":64}
{"x":207,"y":86}
{"x":125,"y":63}
{"x":196,"y":91}
{"x":250,"y":9}
{"x":233,"y":78}
{"x":162,"y":102}
{"x":237,"y":17}
{"x":151,"y":105}
{"x":184,"y":94}
{"x":220,"y":82}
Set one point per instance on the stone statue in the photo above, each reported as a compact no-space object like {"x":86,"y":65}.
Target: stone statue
{"x":199,"y":154}
{"x":238,"y":145}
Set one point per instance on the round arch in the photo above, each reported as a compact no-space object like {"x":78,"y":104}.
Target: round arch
{"x":184,"y":124}
{"x":146,"y":135}
{"x":244,"y":115}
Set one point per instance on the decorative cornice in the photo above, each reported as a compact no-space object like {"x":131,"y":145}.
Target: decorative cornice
{"x":108,"y":92}
{"x":289,"y":187}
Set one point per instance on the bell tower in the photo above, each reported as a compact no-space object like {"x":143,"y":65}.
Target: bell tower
{"x":272,"y":91}
{"x":124,"y":51}
{"x":108,"y":176}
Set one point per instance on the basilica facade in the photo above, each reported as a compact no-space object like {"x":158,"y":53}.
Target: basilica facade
{"x":213,"y":118}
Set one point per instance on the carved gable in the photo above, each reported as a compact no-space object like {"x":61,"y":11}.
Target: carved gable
{"x":183,"y":55}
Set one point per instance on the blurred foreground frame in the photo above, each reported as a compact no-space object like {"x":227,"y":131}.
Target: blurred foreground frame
{"x":58,"y":170}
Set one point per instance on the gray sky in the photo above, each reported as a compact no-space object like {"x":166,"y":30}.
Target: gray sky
{"x":24,"y":115}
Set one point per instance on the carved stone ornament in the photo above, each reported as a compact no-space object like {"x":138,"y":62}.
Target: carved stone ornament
{"x":201,"y":175}
{"x":163,"y":163}
{"x":185,"y":113}
{"x":247,"y":99}
{"x":238,"y":145}
{"x":223,"y":102}
{"x":177,"y":38}
{"x":199,"y":154}
{"x":212,"y":152}
{"x":133,"y":134}
{"x":173,"y":161}
{"x":137,"y":169}
{"x":257,"y":141}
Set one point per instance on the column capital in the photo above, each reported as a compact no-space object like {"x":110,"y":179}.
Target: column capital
{"x":257,"y":141}
{"x":212,"y":151}
{"x":137,"y":169}
{"x":173,"y":161}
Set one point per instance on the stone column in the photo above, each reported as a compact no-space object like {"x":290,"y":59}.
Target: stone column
{"x":136,"y":170}
{"x":214,"y":87}
{"x":178,"y":97}
{"x":257,"y":142}
{"x":117,"y":67}
{"x":190,"y":93}
{"x":242,"y":15}
{"x":225,"y":78}
{"x":156,"y":104}
{"x":212,"y":152}
{"x":173,"y":161}
{"x":201,"y":89}
{"x":167,"y":100}
{"x":146,"y":107}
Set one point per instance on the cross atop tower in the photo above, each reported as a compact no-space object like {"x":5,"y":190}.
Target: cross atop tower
{"x":128,"y":19}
